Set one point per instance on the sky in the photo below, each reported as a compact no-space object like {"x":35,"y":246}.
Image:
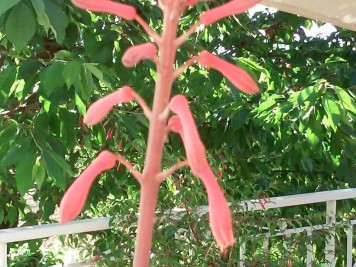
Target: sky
{"x":323,"y":31}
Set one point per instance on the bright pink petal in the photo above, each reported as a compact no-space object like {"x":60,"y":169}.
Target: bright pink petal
{"x":100,"y":108}
{"x":136,"y":53}
{"x":225,"y":10}
{"x":191,"y":2}
{"x":219,"y":212}
{"x":122,"y":10}
{"x":194,"y":146}
{"x":237,"y":76}
{"x":74,"y":199}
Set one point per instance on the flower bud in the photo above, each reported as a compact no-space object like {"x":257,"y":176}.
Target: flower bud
{"x":122,"y":10}
{"x":231,"y":8}
{"x":74,"y":199}
{"x":237,"y":76}
{"x":136,"y":53}
{"x":100,"y":108}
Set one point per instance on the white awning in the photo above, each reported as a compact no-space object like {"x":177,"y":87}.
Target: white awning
{"x":340,"y":13}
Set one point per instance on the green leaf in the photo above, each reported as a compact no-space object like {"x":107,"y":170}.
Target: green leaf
{"x":314,"y":132}
{"x":20,"y":26}
{"x":16,"y":152}
{"x":7,"y":79}
{"x":52,"y":78}
{"x":39,"y":173}
{"x":94,"y":70}
{"x":80,"y":104}
{"x":6,"y":5}
{"x":42,"y":17}
{"x":345,"y":99}
{"x":23,"y":173}
{"x":12,"y":214}
{"x":1,"y":215}
{"x":267,"y":105}
{"x":253,"y":65}
{"x":70,"y":73}
{"x":58,"y":20}
{"x":62,"y":163}
{"x":334,"y":59}
{"x":306,"y":94}
{"x":28,"y":67}
{"x":54,"y":170}
{"x":8,"y":132}
{"x":87,"y":85}
{"x":332,"y":110}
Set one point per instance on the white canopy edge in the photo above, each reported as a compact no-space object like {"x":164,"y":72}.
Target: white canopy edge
{"x":341,"y":13}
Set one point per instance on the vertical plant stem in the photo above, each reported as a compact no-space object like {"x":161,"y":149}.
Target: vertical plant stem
{"x":156,"y":136}
{"x":149,"y":192}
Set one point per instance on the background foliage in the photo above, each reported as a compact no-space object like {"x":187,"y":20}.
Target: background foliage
{"x":297,"y":136}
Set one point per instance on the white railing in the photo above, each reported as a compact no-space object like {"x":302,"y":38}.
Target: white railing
{"x":329,"y":197}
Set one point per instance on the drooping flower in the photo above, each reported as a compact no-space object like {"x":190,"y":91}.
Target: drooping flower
{"x":231,"y":8}
{"x":193,"y":144}
{"x":74,"y":199}
{"x":100,"y":108}
{"x":219,"y":212}
{"x":136,"y":53}
{"x":237,"y":76}
{"x":122,"y":10}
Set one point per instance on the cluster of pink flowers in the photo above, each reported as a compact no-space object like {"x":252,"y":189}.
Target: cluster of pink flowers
{"x":182,"y":120}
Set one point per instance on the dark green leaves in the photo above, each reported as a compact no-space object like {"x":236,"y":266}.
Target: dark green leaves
{"x":54,"y":170}
{"x":42,"y":16}
{"x":24,"y":172}
{"x":7,"y":4}
{"x":57,"y":18}
{"x":333,"y":111}
{"x":345,"y":99}
{"x":20,"y":26}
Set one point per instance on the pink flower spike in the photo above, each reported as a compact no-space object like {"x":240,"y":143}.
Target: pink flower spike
{"x":231,"y":8}
{"x":100,"y":108}
{"x":237,"y":76}
{"x":74,"y":199}
{"x":122,"y":10}
{"x":136,"y":53}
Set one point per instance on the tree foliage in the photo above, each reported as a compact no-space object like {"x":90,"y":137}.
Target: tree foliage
{"x":297,"y":136}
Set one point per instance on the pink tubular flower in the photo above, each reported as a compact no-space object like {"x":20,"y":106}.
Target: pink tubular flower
{"x":237,"y":76}
{"x":231,"y":8}
{"x":122,"y":10}
{"x":74,"y":199}
{"x":219,"y":212}
{"x":185,"y":125}
{"x":100,"y":108}
{"x":136,"y":53}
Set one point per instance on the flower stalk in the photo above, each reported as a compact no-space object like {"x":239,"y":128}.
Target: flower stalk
{"x":163,"y":53}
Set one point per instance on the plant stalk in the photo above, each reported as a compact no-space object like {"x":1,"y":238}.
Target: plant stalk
{"x":156,"y":136}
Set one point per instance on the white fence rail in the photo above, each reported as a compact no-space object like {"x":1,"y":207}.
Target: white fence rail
{"x":329,"y":197}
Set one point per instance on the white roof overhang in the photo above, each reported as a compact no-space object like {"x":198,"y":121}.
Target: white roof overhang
{"x":340,"y":13}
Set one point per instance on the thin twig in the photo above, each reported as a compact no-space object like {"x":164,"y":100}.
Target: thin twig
{"x":162,"y":175}
{"x":181,"y":39}
{"x":138,"y":175}
{"x":230,"y":257}
{"x":142,"y":102}
{"x":182,"y":68}
{"x":191,"y":226}
{"x":148,"y":29}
